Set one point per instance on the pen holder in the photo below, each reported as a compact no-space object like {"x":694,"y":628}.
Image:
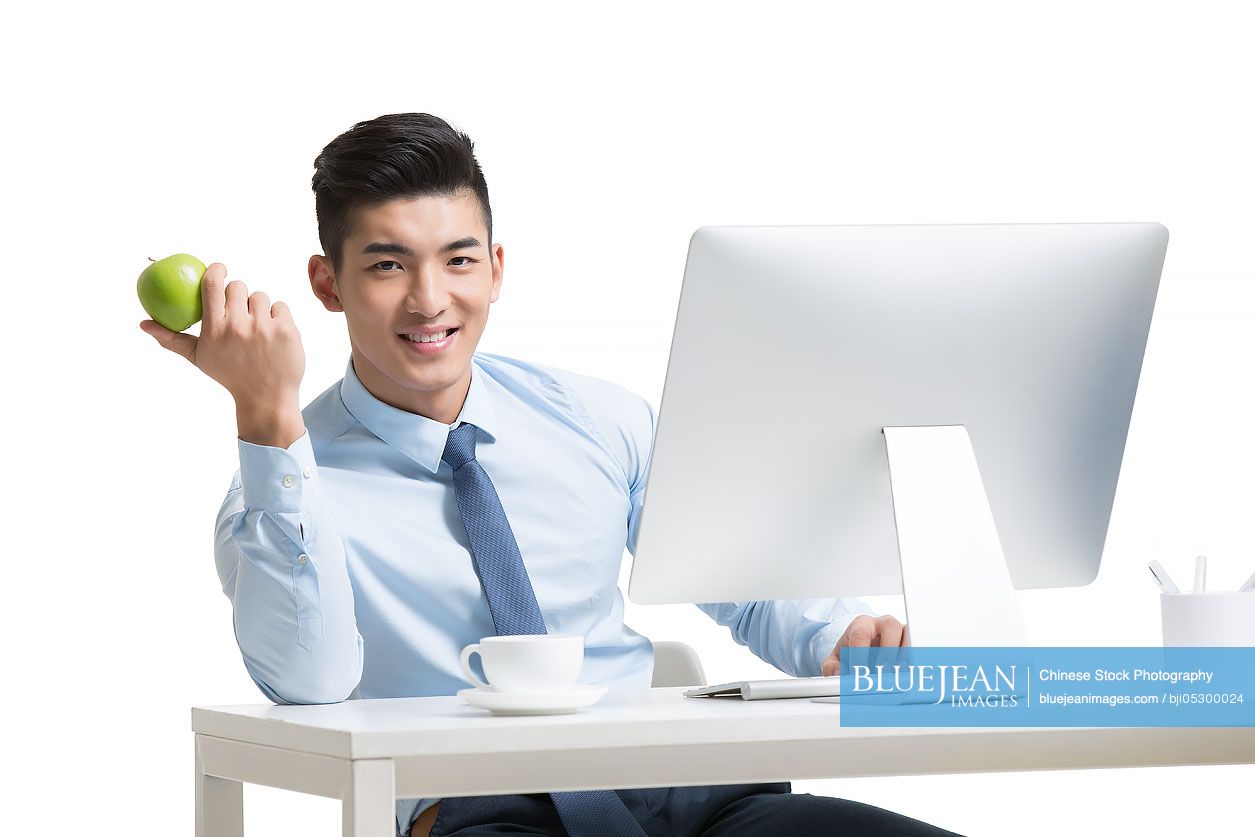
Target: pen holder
{"x":1208,"y":618}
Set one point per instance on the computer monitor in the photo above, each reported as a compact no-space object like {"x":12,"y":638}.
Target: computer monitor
{"x":939,"y":411}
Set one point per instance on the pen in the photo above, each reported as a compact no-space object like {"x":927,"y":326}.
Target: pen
{"x":1249,"y":585}
{"x":1162,"y":578}
{"x":1200,"y":573}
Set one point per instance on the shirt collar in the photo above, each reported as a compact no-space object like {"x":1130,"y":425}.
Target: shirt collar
{"x":418,"y":437}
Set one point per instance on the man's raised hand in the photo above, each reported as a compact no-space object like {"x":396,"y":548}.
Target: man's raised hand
{"x":253,"y":349}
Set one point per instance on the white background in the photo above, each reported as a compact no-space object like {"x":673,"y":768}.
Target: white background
{"x":607,"y":134}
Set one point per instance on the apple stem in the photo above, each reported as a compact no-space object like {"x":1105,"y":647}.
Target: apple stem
{"x":151,"y":259}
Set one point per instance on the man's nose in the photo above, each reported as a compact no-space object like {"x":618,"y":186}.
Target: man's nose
{"x":428,"y":295}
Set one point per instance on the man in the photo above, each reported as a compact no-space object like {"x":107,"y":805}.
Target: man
{"x":342,"y":542}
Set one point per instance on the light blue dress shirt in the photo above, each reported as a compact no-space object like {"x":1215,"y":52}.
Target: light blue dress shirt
{"x":349,"y":569}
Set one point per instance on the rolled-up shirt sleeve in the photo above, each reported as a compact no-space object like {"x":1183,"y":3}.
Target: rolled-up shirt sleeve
{"x":283,"y":567}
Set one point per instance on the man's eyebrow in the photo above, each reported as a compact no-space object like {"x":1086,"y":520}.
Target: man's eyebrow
{"x":387,"y":247}
{"x":395,"y":249}
{"x":461,"y":244}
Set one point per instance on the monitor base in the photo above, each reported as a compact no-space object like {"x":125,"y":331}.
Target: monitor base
{"x":955,"y":580}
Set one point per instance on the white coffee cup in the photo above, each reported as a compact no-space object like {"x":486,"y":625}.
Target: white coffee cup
{"x":526,"y":662}
{"x":1225,"y":618}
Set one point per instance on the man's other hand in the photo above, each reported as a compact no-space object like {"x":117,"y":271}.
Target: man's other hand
{"x":866,"y":631}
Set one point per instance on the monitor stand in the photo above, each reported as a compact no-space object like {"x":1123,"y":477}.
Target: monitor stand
{"x":955,"y":580}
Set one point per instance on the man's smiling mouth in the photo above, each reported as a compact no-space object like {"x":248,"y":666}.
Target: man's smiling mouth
{"x":429,"y":338}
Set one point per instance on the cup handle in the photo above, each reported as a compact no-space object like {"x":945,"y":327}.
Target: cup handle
{"x":473,"y":648}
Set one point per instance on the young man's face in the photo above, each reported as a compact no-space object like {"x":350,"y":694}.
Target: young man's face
{"x":411,"y":268}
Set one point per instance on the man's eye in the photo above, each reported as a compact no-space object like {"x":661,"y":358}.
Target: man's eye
{"x":376,"y":267}
{"x":465,"y":260}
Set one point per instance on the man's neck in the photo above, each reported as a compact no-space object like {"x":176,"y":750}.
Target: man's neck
{"x":442,"y":405}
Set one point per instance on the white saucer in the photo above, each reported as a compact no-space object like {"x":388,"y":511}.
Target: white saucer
{"x":561,"y":702}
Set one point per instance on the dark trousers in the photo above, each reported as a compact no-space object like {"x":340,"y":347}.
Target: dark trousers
{"x":706,"y":810}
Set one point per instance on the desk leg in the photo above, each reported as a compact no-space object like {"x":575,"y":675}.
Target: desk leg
{"x":369,"y":801}
{"x":219,"y":803}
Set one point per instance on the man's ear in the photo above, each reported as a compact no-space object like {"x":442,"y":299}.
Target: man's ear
{"x":323,"y":282}
{"x":498,"y":268}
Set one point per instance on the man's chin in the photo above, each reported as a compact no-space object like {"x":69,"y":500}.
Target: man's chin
{"x":432,"y":375}
{"x":429,"y":381}
{"x":415,"y":374}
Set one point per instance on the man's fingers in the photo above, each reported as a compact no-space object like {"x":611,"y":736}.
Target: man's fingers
{"x":890,"y":630}
{"x":831,"y":665}
{"x":237,"y":299}
{"x":861,"y":632}
{"x":212,"y":301}
{"x":858,"y":634}
{"x":259,"y":305}
{"x":280,"y":312}
{"x":177,"y":342}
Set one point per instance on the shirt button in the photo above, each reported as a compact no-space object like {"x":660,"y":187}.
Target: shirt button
{"x":302,"y":558}
{"x":308,"y":472}
{"x":288,"y":481}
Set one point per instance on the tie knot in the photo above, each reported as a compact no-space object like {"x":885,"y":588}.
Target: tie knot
{"x":460,"y":446}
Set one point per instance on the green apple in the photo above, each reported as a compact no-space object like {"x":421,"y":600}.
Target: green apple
{"x":169,"y":290}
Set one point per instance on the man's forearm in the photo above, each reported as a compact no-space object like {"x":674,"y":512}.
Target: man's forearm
{"x":284,"y":568}
{"x":791,"y":634}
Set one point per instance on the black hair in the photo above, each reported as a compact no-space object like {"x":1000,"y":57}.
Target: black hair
{"x":399,"y":155}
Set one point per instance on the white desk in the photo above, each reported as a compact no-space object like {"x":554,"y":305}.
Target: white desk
{"x":368,"y":753}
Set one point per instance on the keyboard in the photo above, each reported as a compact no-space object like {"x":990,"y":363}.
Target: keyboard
{"x":789,"y":687}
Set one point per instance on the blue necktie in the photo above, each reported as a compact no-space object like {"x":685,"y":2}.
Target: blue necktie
{"x":512,"y":602}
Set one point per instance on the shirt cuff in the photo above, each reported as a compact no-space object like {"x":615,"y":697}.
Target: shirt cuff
{"x":276,"y":479}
